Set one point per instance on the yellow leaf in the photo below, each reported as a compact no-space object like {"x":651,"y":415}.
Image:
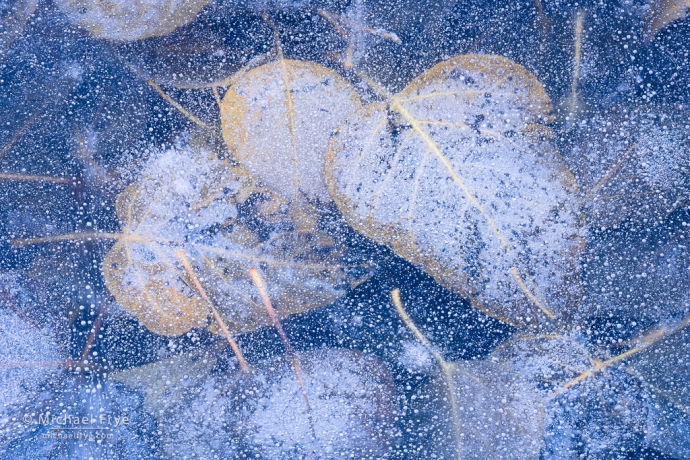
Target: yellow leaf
{"x":277,"y":119}
{"x":189,"y":201}
{"x":129,"y":20}
{"x":456,"y":174}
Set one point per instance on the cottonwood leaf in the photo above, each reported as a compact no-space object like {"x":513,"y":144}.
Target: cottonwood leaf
{"x":13,"y":17}
{"x":630,"y":165}
{"x":163,"y":384}
{"x":189,"y":202}
{"x":277,"y":119}
{"x":28,"y":355}
{"x":455,"y":175}
{"x":128,"y":20}
{"x":481,"y":410}
{"x":352,"y":411}
{"x":594,"y":408}
{"x":665,"y":368}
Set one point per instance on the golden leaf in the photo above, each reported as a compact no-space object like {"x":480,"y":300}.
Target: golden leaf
{"x":189,"y":201}
{"x":127,"y":20}
{"x":277,"y":119}
{"x":456,"y":174}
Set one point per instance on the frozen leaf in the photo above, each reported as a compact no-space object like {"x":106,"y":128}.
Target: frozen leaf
{"x":190,"y":202}
{"x":592,"y":402}
{"x":475,"y":409}
{"x":27,"y":356}
{"x":13,"y":17}
{"x":165,"y":383}
{"x":277,"y":119}
{"x":351,"y":411}
{"x":665,"y":368}
{"x":640,"y":278}
{"x":127,"y":20}
{"x":455,"y":175}
{"x":482,"y":410}
{"x":588,"y":401}
{"x":85,"y":418}
{"x":630,"y":164}
{"x":663,"y":12}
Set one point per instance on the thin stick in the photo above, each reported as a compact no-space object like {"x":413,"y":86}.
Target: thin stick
{"x":179,"y":107}
{"x":37,"y":364}
{"x":216,"y":96}
{"x":23,"y":177}
{"x":17,"y":135}
{"x":643,"y":343}
{"x":331,"y":18}
{"x":611,"y":172}
{"x":261,"y":286}
{"x":577,"y":64}
{"x":22,"y":242}
{"x":445,"y":367}
{"x":235,"y":348}
{"x":92,"y":334}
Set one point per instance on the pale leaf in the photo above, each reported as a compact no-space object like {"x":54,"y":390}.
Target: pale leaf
{"x":192,"y":202}
{"x":128,"y":20}
{"x":352,"y":407}
{"x":482,"y":410}
{"x":455,"y":174}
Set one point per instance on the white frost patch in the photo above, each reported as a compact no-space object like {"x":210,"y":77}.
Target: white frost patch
{"x":415,"y":357}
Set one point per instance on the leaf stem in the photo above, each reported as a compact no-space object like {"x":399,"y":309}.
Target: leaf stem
{"x":179,"y":107}
{"x":446,"y":368}
{"x":261,"y":287}
{"x":233,"y":344}
{"x":577,"y":62}
{"x":24,"y":177}
{"x":22,"y":242}
{"x":643,"y":343}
